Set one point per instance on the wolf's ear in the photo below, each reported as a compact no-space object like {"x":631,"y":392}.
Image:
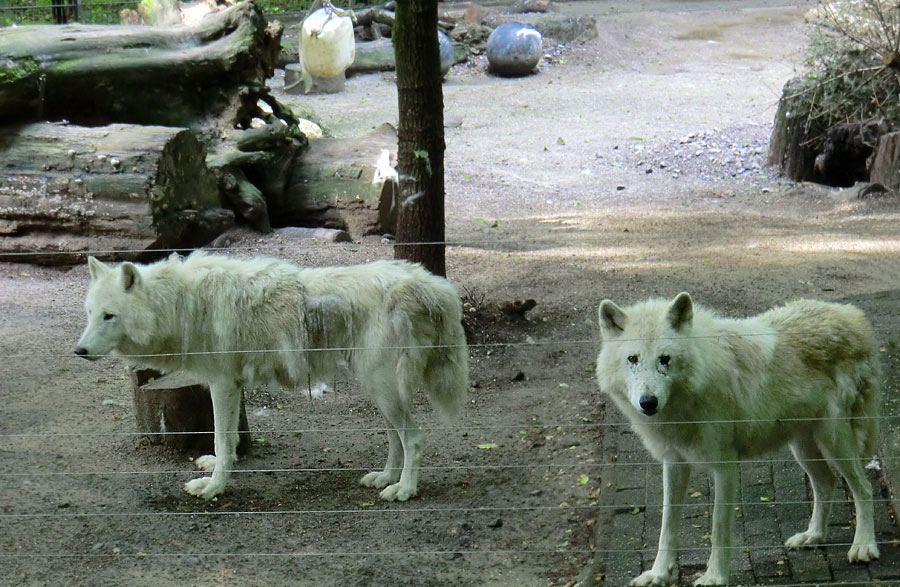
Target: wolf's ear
{"x":131,"y":276}
{"x":681,"y":312}
{"x":96,"y":268}
{"x":612,"y":319}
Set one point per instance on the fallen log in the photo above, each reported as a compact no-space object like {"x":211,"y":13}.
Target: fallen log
{"x":334,"y":185}
{"x":66,"y":188}
{"x":174,"y":76}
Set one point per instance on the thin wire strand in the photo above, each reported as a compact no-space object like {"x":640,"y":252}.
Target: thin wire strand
{"x":349,"y":349}
{"x":481,"y":427}
{"x":480,"y":509}
{"x":505,"y":244}
{"x":561,"y":551}
{"x":585,"y":465}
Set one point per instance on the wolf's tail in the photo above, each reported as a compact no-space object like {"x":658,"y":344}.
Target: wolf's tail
{"x":447,"y":371}
{"x":865,"y":411}
{"x":436,"y":357}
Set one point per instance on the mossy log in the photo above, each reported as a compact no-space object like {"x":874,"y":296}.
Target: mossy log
{"x":333,"y":185}
{"x":66,"y":188}
{"x":173,"y":76}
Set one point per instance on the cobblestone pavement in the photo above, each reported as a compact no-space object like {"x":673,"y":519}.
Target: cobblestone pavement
{"x":774,"y":505}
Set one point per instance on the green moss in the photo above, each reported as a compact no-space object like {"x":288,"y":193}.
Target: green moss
{"x":23,"y":69}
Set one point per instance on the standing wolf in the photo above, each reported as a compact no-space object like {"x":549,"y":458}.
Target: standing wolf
{"x":235,"y":323}
{"x":703,"y":389}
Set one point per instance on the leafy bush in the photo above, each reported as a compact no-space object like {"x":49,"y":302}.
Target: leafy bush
{"x":852,"y":66}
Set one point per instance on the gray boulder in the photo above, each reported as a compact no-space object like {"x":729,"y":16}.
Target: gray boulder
{"x":514,"y":49}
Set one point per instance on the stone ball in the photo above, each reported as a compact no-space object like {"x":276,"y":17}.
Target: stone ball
{"x":446,"y":52}
{"x":514,"y":49}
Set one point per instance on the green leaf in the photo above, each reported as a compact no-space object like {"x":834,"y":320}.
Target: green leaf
{"x":583,"y":479}
{"x":487,"y":445}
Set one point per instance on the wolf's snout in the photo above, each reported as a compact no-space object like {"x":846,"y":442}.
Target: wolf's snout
{"x":83,"y":353}
{"x":648,"y":404}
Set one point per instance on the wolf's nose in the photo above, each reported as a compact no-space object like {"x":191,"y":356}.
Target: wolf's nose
{"x":81,"y":351}
{"x":649,"y":403}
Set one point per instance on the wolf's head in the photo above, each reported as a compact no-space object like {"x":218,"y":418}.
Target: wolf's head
{"x":642,"y":355}
{"x":118,"y":316}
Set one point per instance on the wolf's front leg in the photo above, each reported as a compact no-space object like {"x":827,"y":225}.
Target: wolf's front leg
{"x":719,"y":566}
{"x":226,"y":400}
{"x":665,"y":567}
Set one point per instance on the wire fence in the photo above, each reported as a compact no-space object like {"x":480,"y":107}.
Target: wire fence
{"x":67,"y":475}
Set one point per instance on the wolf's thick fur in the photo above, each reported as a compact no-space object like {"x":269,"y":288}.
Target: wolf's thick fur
{"x":235,"y":323}
{"x":701,"y":389}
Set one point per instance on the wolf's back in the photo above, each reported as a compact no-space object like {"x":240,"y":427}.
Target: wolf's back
{"x":837,"y":338}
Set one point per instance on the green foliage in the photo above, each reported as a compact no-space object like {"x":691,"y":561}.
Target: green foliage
{"x":107,"y":11}
{"x":851,"y":67}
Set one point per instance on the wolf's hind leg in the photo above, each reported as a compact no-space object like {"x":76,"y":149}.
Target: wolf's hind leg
{"x":393,"y":467}
{"x":840,"y":448}
{"x":822,"y":480}
{"x":404,"y":453}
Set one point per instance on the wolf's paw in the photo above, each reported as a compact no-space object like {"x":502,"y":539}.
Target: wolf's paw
{"x":206,"y":462}
{"x":801,"y":539}
{"x":863,"y":553}
{"x":376,"y":479}
{"x":204,"y":487}
{"x":709,"y":578}
{"x":652,"y":578}
{"x":397,"y":492}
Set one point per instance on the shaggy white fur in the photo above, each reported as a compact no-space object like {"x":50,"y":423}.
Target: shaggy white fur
{"x":706,"y":390}
{"x":236,"y":323}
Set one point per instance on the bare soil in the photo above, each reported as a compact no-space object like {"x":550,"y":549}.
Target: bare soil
{"x":628,"y":166}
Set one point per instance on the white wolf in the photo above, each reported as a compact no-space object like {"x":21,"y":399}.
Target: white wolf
{"x":711,"y":391}
{"x":235,"y":323}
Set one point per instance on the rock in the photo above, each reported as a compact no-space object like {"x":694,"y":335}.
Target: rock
{"x":514,"y":49}
{"x":447,"y":58}
{"x":521,"y":6}
{"x":472,"y":35}
{"x":517,"y":307}
{"x":327,"y":235}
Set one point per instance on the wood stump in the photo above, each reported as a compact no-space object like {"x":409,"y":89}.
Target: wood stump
{"x":885,"y":166}
{"x":166,"y":405}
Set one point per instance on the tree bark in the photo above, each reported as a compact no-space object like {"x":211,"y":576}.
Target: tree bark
{"x":174,"y":76}
{"x":66,"y":188}
{"x":420,"y":219}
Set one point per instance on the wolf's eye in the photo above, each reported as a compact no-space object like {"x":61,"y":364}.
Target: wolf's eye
{"x":633,"y":359}
{"x":108,"y":316}
{"x":664,"y":359}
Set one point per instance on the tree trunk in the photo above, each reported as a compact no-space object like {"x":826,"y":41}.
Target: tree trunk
{"x":174,"y":76}
{"x":792,"y":147}
{"x":420,"y":219}
{"x":885,"y":168}
{"x":166,"y":405}
{"x":121,"y":187}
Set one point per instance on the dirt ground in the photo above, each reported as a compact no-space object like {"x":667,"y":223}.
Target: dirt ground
{"x":629,"y":166}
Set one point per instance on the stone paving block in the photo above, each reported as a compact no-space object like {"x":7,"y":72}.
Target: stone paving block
{"x":769,"y":563}
{"x":808,"y":565}
{"x":888,"y":566}
{"x":841,"y":570}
